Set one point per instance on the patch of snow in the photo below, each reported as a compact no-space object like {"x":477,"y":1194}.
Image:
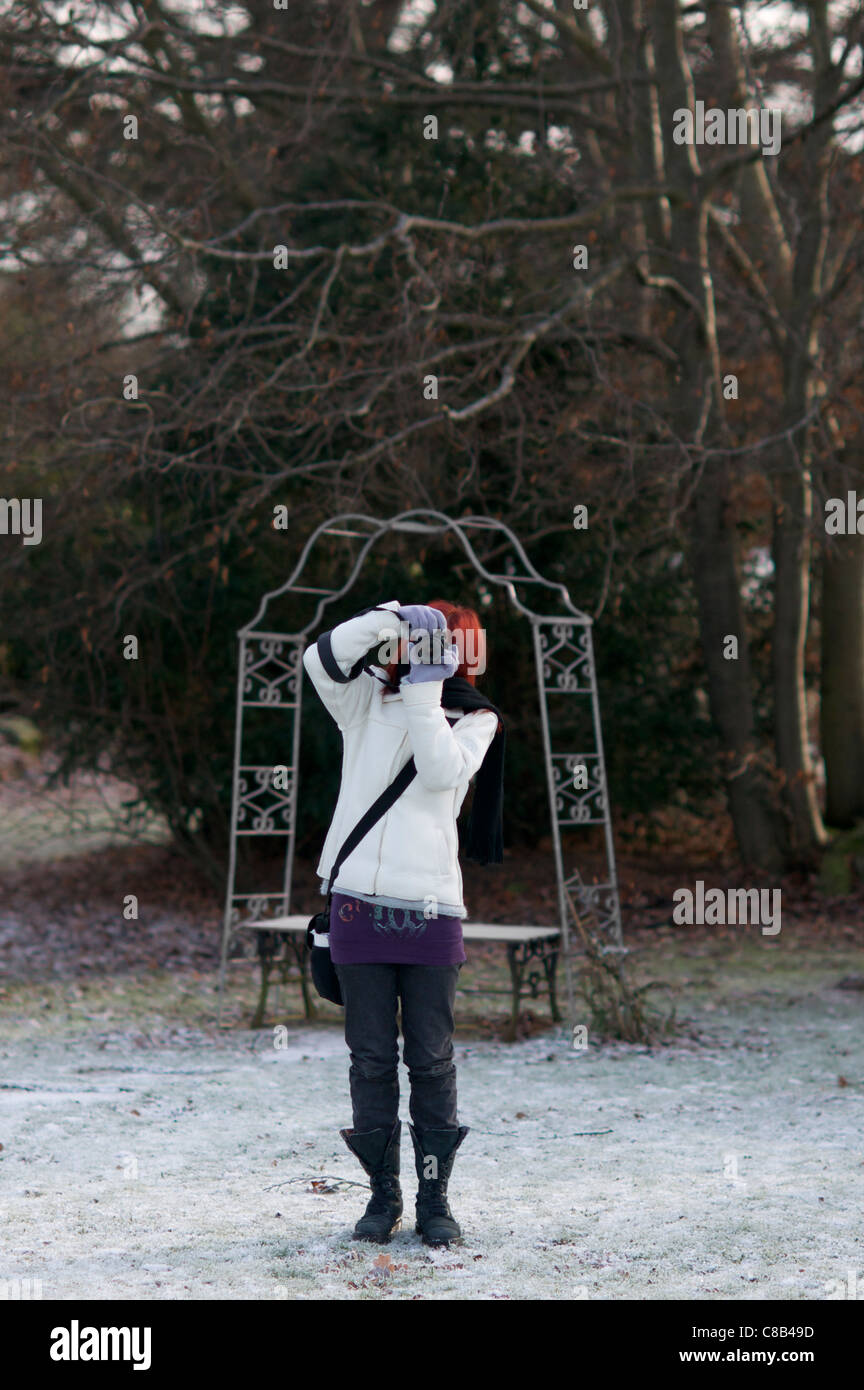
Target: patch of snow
{"x":184,"y":1168}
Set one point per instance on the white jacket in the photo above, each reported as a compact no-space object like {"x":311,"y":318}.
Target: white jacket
{"x":411,"y":854}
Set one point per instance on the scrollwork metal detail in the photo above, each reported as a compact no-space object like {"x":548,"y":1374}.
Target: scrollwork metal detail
{"x":566,"y":661}
{"x":579,"y":805}
{"x":599,"y":903}
{"x":269,"y":678}
{"x":263,"y":809}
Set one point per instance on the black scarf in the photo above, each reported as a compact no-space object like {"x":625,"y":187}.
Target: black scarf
{"x":484,"y":841}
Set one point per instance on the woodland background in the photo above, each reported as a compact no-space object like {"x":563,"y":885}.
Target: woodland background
{"x":303,"y":386}
{"x":168,"y":1147}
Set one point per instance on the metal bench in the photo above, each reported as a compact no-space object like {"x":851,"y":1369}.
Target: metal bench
{"x":527,"y":946}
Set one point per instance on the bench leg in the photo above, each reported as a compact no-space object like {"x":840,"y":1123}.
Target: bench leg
{"x":301,"y":952}
{"x":517,"y":971}
{"x":550,"y":963}
{"x":258,"y":1016}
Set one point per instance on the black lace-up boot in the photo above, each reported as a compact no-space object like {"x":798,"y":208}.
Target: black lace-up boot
{"x":434,"y":1152}
{"x":378,"y":1151}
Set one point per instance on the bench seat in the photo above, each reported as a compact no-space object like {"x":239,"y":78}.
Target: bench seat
{"x":525,"y":943}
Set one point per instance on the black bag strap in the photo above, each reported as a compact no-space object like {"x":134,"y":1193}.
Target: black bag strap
{"x":378,"y":808}
{"x":367,"y":820}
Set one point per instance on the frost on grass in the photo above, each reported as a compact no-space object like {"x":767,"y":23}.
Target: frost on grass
{"x":193,"y":1164}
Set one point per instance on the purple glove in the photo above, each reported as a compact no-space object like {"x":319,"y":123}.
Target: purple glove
{"x":423,"y":620}
{"x":418,"y":615}
{"x":426,"y":671}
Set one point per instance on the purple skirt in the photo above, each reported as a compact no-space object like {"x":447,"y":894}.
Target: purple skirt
{"x":364,"y":933}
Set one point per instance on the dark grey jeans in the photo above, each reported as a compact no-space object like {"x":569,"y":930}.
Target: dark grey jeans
{"x":371,"y":994}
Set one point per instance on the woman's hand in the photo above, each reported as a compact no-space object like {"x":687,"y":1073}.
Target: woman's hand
{"x":422,"y":669}
{"x":425,"y":671}
{"x":424,"y":622}
{"x":418,"y":615}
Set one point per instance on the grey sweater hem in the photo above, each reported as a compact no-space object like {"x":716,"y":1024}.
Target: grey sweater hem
{"x":415,"y":905}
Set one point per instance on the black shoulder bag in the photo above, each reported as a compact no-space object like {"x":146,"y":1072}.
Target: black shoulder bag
{"x":324,"y":976}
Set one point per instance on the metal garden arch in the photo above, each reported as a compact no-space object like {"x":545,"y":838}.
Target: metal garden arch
{"x":270,"y":676}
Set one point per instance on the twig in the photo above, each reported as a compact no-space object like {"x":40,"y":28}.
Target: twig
{"x":316,"y":1177}
{"x":616,"y":1005}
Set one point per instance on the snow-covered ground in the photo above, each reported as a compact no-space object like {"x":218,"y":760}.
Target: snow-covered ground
{"x":179,"y":1164}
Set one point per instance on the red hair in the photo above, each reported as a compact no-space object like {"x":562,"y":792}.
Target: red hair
{"x":459,"y":619}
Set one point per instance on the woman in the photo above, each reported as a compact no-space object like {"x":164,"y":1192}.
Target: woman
{"x":397,"y":909}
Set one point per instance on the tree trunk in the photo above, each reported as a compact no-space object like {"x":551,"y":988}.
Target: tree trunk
{"x":758,"y":828}
{"x":791,"y":552}
{"x":842,"y":703}
{"x":761,"y":226}
{"x":793,"y":493}
{"x":694,"y":407}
